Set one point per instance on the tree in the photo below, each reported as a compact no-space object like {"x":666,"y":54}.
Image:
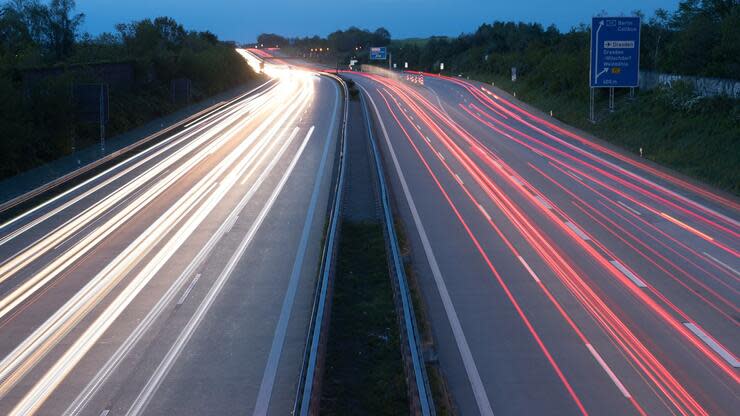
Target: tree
{"x":381,"y":37}
{"x":655,"y":33}
{"x":169,"y":31}
{"x":62,"y":26}
{"x":271,"y":40}
{"x":14,"y":34}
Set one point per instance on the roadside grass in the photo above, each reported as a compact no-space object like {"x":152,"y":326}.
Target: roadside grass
{"x":364,"y":369}
{"x":698,"y":137}
{"x":442,"y":400}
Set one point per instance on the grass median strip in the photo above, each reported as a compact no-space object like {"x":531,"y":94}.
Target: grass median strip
{"x":364,"y":370}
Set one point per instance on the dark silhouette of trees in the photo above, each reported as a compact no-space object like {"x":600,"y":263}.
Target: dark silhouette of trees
{"x":271,"y":40}
{"x":37,"y":121}
{"x":701,"y":38}
{"x":53,"y":29}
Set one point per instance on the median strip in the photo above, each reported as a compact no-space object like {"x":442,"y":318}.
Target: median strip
{"x":364,"y":372}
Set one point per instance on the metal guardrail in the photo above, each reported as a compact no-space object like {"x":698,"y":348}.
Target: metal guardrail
{"x":413,"y":339}
{"x":309,"y":386}
{"x":48,"y":187}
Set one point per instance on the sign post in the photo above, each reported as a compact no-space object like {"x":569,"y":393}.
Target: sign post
{"x":611,"y":99}
{"x":92,"y":104}
{"x":591,"y":115}
{"x":615,"y":55}
{"x":103,"y":99}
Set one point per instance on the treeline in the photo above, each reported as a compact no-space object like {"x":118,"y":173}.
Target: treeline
{"x":701,"y":38}
{"x":337,"y":45}
{"x":43,"y":54}
{"x":676,"y":127}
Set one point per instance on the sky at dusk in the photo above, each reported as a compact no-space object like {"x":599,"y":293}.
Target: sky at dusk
{"x":243,"y":20}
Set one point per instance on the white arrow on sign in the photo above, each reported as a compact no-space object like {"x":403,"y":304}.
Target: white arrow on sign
{"x":596,"y":64}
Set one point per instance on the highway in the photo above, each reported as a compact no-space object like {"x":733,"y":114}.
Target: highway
{"x":561,"y":275}
{"x":179,"y":281}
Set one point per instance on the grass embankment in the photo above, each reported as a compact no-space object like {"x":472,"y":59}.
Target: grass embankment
{"x":364,"y":371}
{"x":699,"y":137}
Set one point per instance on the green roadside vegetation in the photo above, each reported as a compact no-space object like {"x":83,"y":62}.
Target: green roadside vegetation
{"x":43,"y":54}
{"x":420,"y":42}
{"x":364,"y":371}
{"x":699,"y":137}
{"x":676,"y":127}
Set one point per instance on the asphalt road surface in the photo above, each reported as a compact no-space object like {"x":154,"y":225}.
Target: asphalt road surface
{"x":180,"y":281}
{"x":562,"y":276}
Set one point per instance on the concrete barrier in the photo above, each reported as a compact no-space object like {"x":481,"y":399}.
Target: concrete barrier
{"x":707,"y":87}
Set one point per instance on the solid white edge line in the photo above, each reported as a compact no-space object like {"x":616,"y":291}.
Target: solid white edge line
{"x":142,"y":400}
{"x":479,"y":391}
{"x":720,"y":350}
{"x":313,"y":354}
{"x":425,"y":400}
{"x":112,"y":364}
{"x":276,"y":349}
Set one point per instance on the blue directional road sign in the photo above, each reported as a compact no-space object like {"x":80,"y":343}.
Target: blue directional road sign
{"x":615,"y":51}
{"x":378,"y":53}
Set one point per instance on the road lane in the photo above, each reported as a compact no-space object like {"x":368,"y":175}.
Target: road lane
{"x":576,"y":272}
{"x":98,"y":284}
